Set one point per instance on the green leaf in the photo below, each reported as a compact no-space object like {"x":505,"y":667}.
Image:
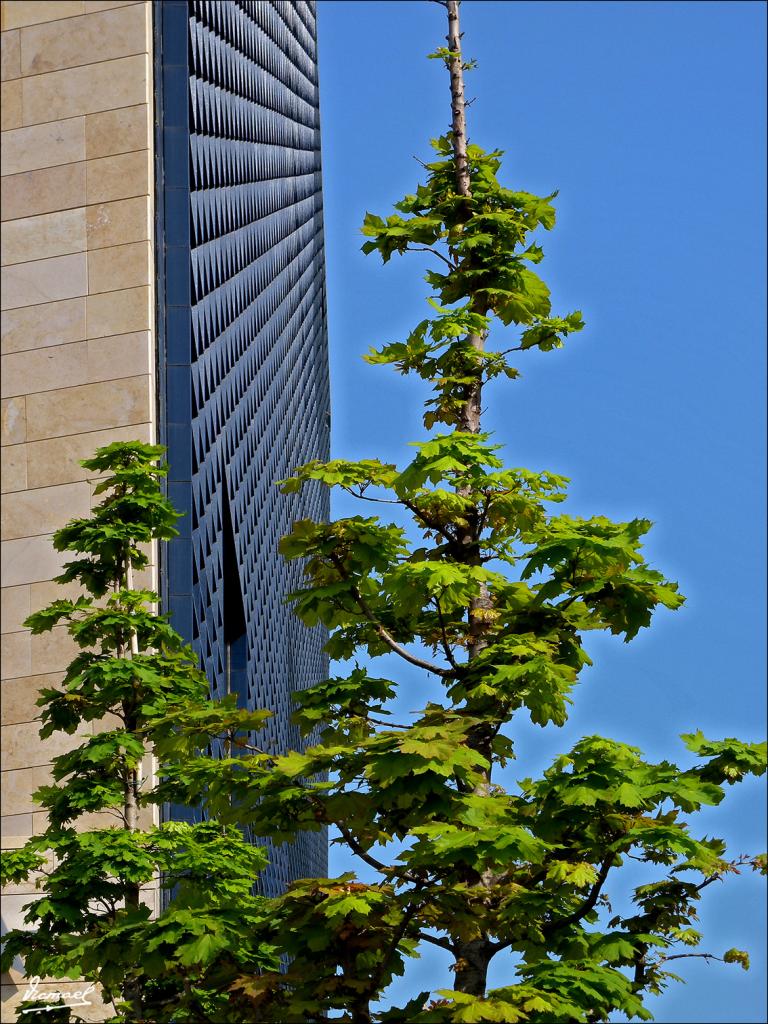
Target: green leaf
{"x":737,"y":956}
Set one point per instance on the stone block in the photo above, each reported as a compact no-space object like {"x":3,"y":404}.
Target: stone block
{"x":45,"y":370}
{"x":29,"y":284}
{"x":52,"y":652}
{"x":51,"y":188}
{"x":10,"y":55}
{"x":86,"y":89}
{"x":16,"y":651}
{"x":119,"y":267}
{"x":33,"y":12}
{"x":56,"y":461}
{"x":122,"y":312}
{"x":118,"y":177}
{"x":41,"y":594}
{"x":43,"y":145}
{"x":10,"y":105}
{"x":18,"y":785}
{"x":14,"y":829}
{"x":23,"y":748}
{"x":118,"y":131}
{"x":29,"y":560}
{"x":13,"y":420}
{"x":95,"y":37}
{"x":14,"y":608}
{"x":50,"y":323}
{"x":43,"y":509}
{"x":19,"y":696}
{"x":13,"y":474}
{"x":111,"y":224}
{"x":123,"y":356}
{"x":40,"y":238}
{"x":90,"y":407}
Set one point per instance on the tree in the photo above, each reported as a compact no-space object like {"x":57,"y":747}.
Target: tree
{"x":137,"y":681}
{"x":489,"y":591}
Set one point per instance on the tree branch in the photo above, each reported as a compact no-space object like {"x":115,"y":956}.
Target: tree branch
{"x":587,"y":905}
{"x":515,"y":348}
{"x":685,"y":956}
{"x":387,"y":637}
{"x":356,"y":848}
{"x":434,"y":252}
{"x":442,"y":943}
{"x":446,"y":646}
{"x":734,"y":864}
{"x":388,"y":725}
{"x":367,"y":497}
{"x":430,"y":524}
{"x":408,"y":914}
{"x":406,"y":655}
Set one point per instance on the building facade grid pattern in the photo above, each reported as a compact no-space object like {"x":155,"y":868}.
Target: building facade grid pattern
{"x":244,"y":386}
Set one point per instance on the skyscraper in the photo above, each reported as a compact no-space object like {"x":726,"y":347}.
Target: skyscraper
{"x":163,"y":279}
{"x":244,"y":393}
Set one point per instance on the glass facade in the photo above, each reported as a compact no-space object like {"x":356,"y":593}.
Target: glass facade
{"x":243,"y":371}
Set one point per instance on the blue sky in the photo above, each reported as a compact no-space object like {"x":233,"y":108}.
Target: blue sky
{"x":649,"y":118}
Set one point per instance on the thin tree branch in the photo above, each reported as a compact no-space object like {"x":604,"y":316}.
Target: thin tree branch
{"x":588,"y":904}
{"x":386,"y":724}
{"x":718,"y":875}
{"x":367,"y":497}
{"x":406,"y":655}
{"x":387,"y":637}
{"x":249,"y":746}
{"x":396,"y":939}
{"x":434,"y":252}
{"x":442,"y":943}
{"x":357,"y":849}
{"x":430,"y":524}
{"x":446,"y":646}
{"x":685,"y":956}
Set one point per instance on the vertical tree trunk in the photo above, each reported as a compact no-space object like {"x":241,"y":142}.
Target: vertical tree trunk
{"x":360,"y":1011}
{"x":473,"y":957}
{"x":470,"y":416}
{"x":472,"y":967}
{"x":131,"y":787}
{"x":133,"y":779}
{"x":458,"y":103}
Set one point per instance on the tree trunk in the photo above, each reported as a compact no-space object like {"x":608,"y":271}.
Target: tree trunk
{"x":360,"y":1011}
{"x":473,"y":958}
{"x":472,"y":967}
{"x":133,"y":777}
{"x":470,"y":415}
{"x":132,"y":991}
{"x":458,"y":103}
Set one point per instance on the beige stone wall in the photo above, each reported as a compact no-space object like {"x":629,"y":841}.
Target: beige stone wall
{"x":77,"y":322}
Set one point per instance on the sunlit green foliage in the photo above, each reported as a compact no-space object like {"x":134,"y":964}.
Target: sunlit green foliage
{"x":93,"y":917}
{"x":490,"y":591}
